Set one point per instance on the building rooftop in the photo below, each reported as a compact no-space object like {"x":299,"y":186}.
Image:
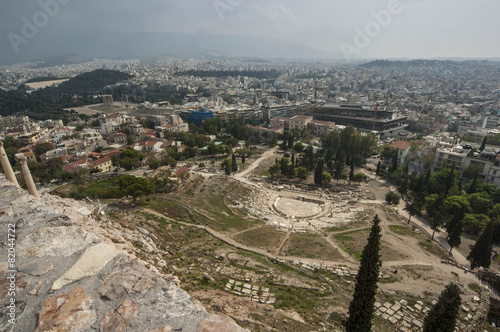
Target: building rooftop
{"x":400,"y":145}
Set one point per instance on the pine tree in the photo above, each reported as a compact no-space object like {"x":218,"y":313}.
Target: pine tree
{"x":362,"y":305}
{"x":434,"y":207}
{"x":234,"y":164}
{"x":480,"y":255}
{"x":443,"y":316}
{"x":457,"y":207}
{"x":318,"y":173}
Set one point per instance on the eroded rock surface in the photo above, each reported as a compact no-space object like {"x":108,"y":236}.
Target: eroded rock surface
{"x":118,"y":319}
{"x":72,"y":277}
{"x":216,"y":323}
{"x":67,"y":312}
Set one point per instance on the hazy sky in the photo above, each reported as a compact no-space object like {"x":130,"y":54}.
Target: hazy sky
{"x":428,"y":28}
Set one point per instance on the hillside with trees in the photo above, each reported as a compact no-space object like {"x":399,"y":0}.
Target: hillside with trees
{"x":48,"y":103}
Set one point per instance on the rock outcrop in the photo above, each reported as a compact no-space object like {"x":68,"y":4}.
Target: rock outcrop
{"x":67,"y":275}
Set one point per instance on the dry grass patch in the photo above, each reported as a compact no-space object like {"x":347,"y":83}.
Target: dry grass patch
{"x":310,"y":246}
{"x":267,"y":237}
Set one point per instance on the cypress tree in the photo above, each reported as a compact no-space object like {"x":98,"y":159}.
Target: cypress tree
{"x":234,"y":164}
{"x":318,"y":173}
{"x":427,"y":177}
{"x":338,"y":167}
{"x":290,"y":141}
{"x":483,"y":144}
{"x":443,"y":316}
{"x":228,"y":168}
{"x":377,"y":172}
{"x":480,"y":255}
{"x":472,"y":187}
{"x":395,"y":161}
{"x":351,"y":173}
{"x":362,"y":305}
{"x":451,"y":178}
{"x":284,"y":166}
{"x":243,"y":158}
{"x":455,"y":234}
{"x":291,"y":170}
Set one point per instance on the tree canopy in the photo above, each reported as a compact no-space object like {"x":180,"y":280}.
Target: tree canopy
{"x":362,"y":305}
{"x":443,"y":316}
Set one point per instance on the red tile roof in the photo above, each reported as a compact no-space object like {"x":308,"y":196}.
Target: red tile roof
{"x":102,"y":160}
{"x":400,"y":145}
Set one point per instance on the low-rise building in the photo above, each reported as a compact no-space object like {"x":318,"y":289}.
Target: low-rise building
{"x":117,"y":137}
{"x":103,"y":164}
{"x":318,"y":128}
{"x":30,"y":157}
{"x":403,"y":149}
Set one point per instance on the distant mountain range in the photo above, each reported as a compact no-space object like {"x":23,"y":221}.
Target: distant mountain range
{"x":122,"y":45}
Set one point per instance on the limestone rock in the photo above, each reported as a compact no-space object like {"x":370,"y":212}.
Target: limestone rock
{"x":174,"y":302}
{"x":37,"y":267}
{"x":216,"y":323}
{"x":126,"y":276}
{"x":55,"y":242}
{"x":38,"y":287}
{"x":292,"y":314}
{"x":91,"y":262}
{"x":6,"y":315}
{"x":20,"y":280}
{"x":118,"y":319}
{"x":161,"y":329}
{"x":67,"y":312}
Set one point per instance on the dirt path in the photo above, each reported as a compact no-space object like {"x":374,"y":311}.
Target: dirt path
{"x":255,"y":164}
{"x":383,"y":188}
{"x":226,"y":239}
{"x":282,"y":244}
{"x":340,"y":250}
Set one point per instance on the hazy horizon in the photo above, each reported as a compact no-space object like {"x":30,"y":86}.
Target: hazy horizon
{"x":318,"y":28}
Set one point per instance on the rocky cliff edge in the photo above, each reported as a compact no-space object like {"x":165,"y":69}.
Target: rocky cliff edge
{"x":72,"y":273}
